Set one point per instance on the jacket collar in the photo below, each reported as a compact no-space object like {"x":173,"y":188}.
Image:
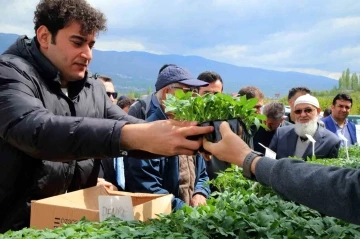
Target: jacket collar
{"x":28,"y":49}
{"x":157,"y":115}
{"x":45,"y":68}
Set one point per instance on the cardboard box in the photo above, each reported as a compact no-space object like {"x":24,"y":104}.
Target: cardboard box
{"x":69,"y":208}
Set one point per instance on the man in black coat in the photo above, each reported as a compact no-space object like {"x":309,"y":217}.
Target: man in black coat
{"x":274,"y":112}
{"x":56,"y":117}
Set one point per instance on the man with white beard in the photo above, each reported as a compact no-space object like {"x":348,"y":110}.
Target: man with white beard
{"x":291,"y":141}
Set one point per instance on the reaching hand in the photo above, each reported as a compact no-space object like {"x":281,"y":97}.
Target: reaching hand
{"x":230,"y":148}
{"x":164,"y":137}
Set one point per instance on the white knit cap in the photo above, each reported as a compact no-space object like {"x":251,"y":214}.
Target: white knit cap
{"x":307,"y":99}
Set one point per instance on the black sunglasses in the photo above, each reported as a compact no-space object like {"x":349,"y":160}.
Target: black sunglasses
{"x":113,"y":94}
{"x":307,"y":111}
{"x":186,"y":89}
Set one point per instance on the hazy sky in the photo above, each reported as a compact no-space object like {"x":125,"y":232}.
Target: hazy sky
{"x":319,"y":36}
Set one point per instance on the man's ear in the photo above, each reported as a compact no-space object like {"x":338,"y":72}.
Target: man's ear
{"x":318,"y":110}
{"x":164,"y":92}
{"x":43,"y":36}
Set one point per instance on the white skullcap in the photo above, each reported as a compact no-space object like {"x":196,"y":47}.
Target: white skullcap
{"x":307,"y":99}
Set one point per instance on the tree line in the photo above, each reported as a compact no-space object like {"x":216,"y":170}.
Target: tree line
{"x":348,"y":81}
{"x":349,"y":84}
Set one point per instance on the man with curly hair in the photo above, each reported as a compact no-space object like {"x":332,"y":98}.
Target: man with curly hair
{"x":56,"y":117}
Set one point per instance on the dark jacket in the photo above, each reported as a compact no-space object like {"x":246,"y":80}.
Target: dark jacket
{"x":330,"y":125}
{"x":43,"y":132}
{"x":332,"y":191}
{"x":161,"y":175}
{"x":264,"y":137}
{"x":284,"y":143}
{"x":143,"y":108}
{"x":215,"y":166}
{"x":109,"y":173}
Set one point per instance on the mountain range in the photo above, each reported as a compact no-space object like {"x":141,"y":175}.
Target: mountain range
{"x":137,"y":71}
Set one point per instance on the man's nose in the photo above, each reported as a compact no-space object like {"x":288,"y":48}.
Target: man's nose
{"x":303,"y":113}
{"x":87,"y":53}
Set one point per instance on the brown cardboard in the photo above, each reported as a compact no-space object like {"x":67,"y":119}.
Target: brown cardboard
{"x":68,"y":208}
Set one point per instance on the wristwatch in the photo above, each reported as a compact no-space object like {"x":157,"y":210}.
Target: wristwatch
{"x":247,"y":164}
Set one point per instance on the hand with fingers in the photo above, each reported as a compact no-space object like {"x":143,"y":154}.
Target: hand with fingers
{"x":106,"y":184}
{"x":164,"y":137}
{"x":198,"y":199}
{"x":231,"y":148}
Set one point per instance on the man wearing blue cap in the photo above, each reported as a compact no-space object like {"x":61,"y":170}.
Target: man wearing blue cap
{"x":181,"y":175}
{"x":168,"y":74}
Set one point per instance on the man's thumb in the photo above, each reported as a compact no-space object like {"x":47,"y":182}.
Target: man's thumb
{"x":224,"y":128}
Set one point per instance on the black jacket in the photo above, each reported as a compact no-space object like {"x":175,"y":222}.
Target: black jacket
{"x":43,"y":132}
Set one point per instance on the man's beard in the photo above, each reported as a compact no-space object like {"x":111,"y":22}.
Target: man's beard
{"x":306,"y":128}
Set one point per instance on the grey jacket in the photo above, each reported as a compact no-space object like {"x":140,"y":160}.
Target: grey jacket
{"x":284,"y":143}
{"x":332,"y":191}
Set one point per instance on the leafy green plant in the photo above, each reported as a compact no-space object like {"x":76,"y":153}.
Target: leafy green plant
{"x":242,"y":209}
{"x":211,"y":107}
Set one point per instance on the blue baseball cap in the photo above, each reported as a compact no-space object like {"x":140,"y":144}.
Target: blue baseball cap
{"x":123,"y":97}
{"x":175,"y":74}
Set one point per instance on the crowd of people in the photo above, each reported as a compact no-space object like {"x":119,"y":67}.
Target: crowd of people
{"x":63,"y":129}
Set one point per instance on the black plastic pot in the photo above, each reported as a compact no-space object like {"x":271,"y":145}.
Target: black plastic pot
{"x":236,"y":125}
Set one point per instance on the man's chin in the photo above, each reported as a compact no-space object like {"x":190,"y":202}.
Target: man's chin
{"x":77,"y":77}
{"x":302,"y":129}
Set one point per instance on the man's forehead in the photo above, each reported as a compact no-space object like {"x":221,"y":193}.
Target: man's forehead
{"x":77,"y":30}
{"x":343,"y":102}
{"x":108,"y":84}
{"x":304,"y":105}
{"x":271,"y":120}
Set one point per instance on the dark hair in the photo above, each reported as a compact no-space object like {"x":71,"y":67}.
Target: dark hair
{"x":105,"y":79}
{"x":57,"y":14}
{"x":123,"y":102}
{"x":327,"y":112}
{"x":251,"y":92}
{"x":342,"y":96}
{"x":210,"y":77}
{"x":295,"y":90}
{"x":164,"y":66}
{"x":274,"y":110}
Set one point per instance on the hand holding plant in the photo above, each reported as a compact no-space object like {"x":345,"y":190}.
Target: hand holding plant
{"x":211,"y":109}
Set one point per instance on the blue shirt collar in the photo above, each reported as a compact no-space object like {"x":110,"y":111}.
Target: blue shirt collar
{"x":336,"y":124}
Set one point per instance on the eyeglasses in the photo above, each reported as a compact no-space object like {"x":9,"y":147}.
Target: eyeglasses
{"x":186,"y":89}
{"x":113,"y":94}
{"x":307,"y":111}
{"x":211,"y":92}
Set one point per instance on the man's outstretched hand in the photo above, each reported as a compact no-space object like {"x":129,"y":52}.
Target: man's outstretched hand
{"x":164,"y":137}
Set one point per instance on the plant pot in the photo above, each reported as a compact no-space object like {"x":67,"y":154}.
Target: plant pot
{"x":237,"y":126}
